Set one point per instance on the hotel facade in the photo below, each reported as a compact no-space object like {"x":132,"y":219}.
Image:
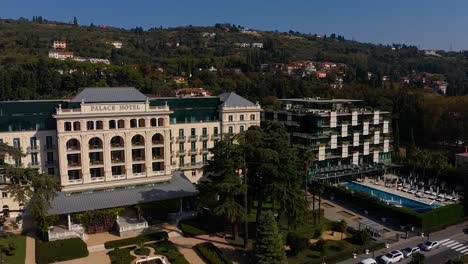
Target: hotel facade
{"x":110,"y":140}
{"x":346,"y":138}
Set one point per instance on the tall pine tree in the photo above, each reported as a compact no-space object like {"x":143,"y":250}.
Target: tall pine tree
{"x":269,"y":248}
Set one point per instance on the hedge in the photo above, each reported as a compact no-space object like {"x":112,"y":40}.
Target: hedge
{"x":60,"y":250}
{"x":121,"y":255}
{"x":211,"y":253}
{"x":168,"y":249}
{"x":433,"y":220}
{"x":136,"y":240}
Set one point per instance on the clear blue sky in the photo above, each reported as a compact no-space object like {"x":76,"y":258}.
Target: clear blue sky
{"x":428,"y":24}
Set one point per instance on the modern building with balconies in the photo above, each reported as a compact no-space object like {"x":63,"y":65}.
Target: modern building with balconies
{"x":345,"y":137}
{"x":112,"y":147}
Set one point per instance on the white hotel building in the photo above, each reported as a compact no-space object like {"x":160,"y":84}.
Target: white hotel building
{"x":112,"y":147}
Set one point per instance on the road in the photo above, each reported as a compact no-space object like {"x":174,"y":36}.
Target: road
{"x":454,"y":243}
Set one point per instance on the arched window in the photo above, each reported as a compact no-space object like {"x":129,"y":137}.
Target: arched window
{"x":161,"y":121}
{"x":133,"y":123}
{"x":95,"y":143}
{"x":121,"y":123}
{"x":141,"y":122}
{"x":153,"y":122}
{"x":158,"y":139}
{"x":76,"y":126}
{"x":90,"y":125}
{"x":73,"y":144}
{"x":112,"y":124}
{"x":252,"y":117}
{"x":138,"y":140}
{"x":68,"y":126}
{"x":117,"y":142}
{"x":99,"y":125}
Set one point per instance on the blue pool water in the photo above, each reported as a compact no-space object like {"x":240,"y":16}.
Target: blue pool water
{"x":392,"y":198}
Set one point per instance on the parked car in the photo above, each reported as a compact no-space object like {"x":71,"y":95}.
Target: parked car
{"x":392,"y":257}
{"x":368,"y":261}
{"x":409,"y":251}
{"x":430,"y":245}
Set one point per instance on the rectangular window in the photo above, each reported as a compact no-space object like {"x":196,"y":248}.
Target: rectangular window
{"x":49,"y":142}
{"x":231,"y":130}
{"x":16,"y":143}
{"x":205,"y":158}
{"x":204,"y":131}
{"x":33,"y":142}
{"x":4,"y":195}
{"x":181,"y":161}
{"x":117,"y":170}
{"x":192,"y":132}
{"x":181,"y":146}
{"x":1,"y":140}
{"x":241,"y":117}
{"x":194,"y":145}
{"x":34,"y":160}
{"x":181,"y":132}
{"x":194,"y":173}
{"x":231,"y":118}
{"x":50,"y":157}
{"x":205,"y":144}
{"x":241,"y":128}
{"x":51,"y":171}
{"x":215,"y":131}
{"x":192,"y":160}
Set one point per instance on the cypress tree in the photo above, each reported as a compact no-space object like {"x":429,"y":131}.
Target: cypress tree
{"x":269,"y":248}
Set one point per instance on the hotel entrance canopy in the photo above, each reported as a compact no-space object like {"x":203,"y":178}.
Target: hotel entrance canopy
{"x":74,"y":202}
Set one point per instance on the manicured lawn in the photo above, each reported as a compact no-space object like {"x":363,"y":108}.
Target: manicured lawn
{"x":135,"y":240}
{"x":211,"y":253}
{"x":121,"y":255}
{"x":20,"y":251}
{"x":60,"y":250}
{"x":164,"y":247}
{"x":201,"y":225}
{"x":169,"y":250}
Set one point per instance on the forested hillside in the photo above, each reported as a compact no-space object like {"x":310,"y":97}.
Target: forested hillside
{"x":227,"y":57}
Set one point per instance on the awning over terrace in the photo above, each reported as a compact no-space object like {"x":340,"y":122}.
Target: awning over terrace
{"x":373,"y":227}
{"x":66,"y":203}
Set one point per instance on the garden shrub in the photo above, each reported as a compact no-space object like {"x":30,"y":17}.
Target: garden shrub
{"x":98,"y":220}
{"x":320,"y":245}
{"x":168,"y":249}
{"x":121,"y":255}
{"x":60,"y":250}
{"x":136,"y":240}
{"x":296,"y":242}
{"x":211,"y":253}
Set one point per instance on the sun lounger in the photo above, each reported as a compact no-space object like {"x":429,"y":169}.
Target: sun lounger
{"x":412,"y":191}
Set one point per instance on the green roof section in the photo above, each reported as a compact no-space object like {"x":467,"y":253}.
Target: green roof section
{"x":38,"y":115}
{"x":189,"y":110}
{"x":28,"y":115}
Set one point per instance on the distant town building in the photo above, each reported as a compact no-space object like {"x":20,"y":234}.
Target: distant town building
{"x":321,"y":74}
{"x":192,"y":92}
{"x":116,"y":44}
{"x":208,"y":34}
{"x":60,"y":55}
{"x":257,"y":45}
{"x":59,"y":44}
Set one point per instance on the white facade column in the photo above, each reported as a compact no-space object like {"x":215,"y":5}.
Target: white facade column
{"x":85,"y":159}
{"x":148,"y":154}
{"x":107,"y":156}
{"x":69,"y":222}
{"x":62,"y":160}
{"x":167,"y":151}
{"x":128,"y":155}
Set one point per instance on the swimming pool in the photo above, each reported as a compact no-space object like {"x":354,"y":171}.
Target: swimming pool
{"x":392,"y":198}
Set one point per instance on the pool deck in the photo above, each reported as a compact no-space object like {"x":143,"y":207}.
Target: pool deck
{"x":380,"y":186}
